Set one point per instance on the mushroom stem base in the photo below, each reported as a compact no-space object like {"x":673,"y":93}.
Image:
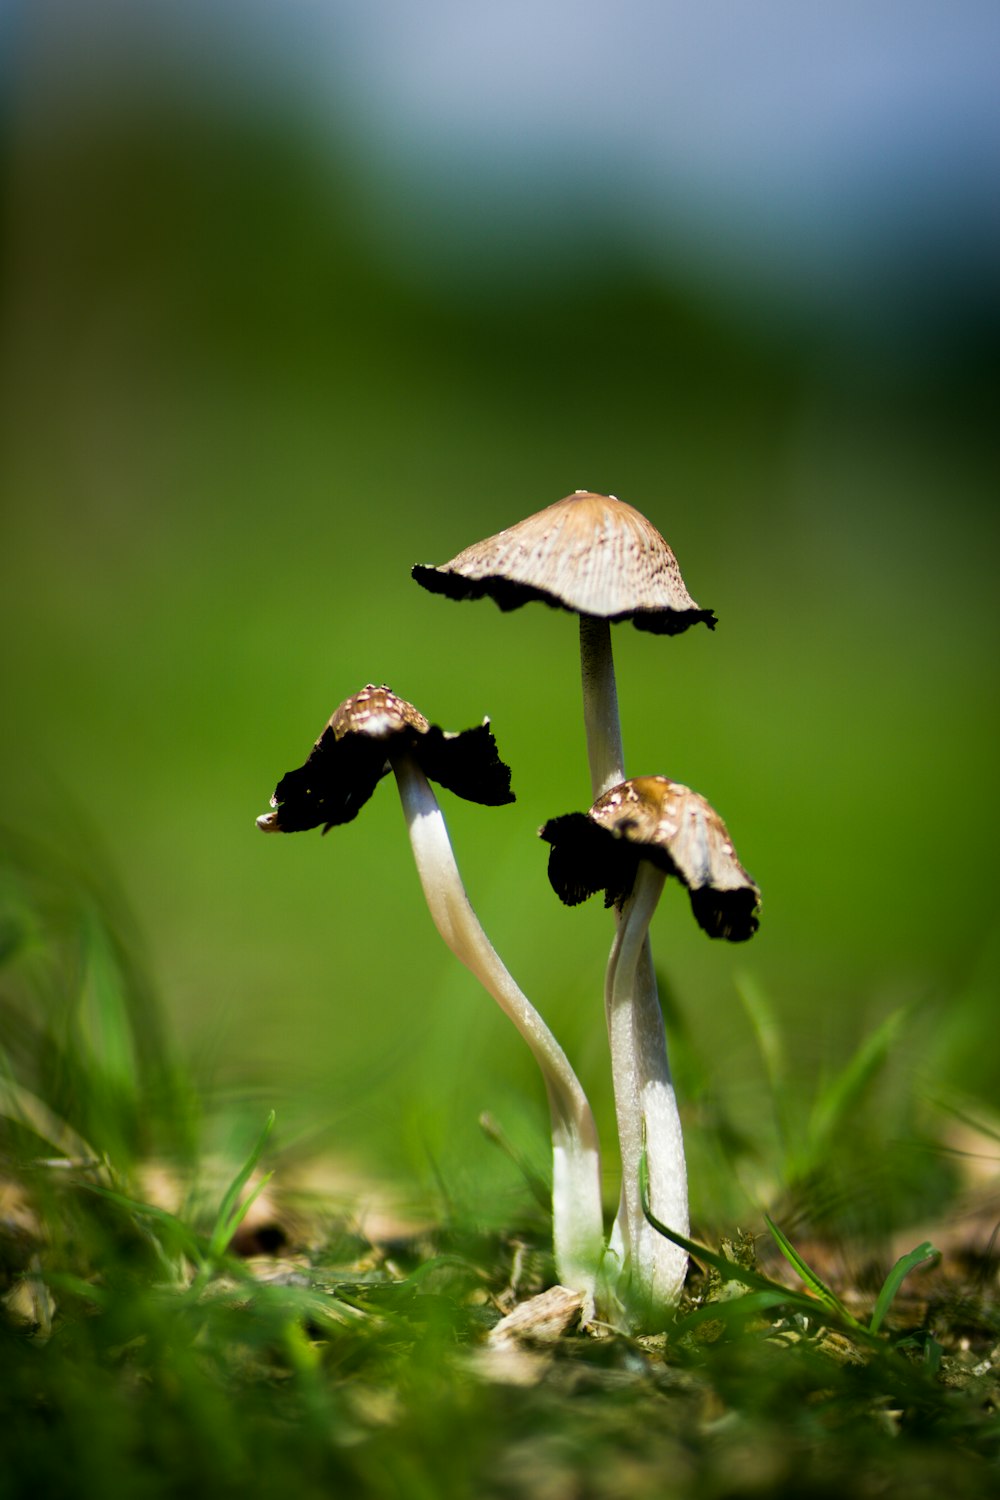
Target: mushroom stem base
{"x":646,"y":1112}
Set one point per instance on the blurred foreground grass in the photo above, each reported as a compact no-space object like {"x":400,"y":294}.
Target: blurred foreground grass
{"x":169,"y":1321}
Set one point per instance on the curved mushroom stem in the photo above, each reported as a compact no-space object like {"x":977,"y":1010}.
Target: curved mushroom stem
{"x":638,"y":1048}
{"x":646,"y":1112}
{"x":577,"y":1218}
{"x":600,"y":706}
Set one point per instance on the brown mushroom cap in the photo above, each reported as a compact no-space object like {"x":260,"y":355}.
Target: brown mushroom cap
{"x":653,"y":818}
{"x":591,"y":554}
{"x":352,"y":755}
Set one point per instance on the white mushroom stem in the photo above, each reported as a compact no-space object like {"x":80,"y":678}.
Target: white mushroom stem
{"x":639,"y":1064}
{"x":577,"y":1219}
{"x":646,"y":1112}
{"x":600,"y":705}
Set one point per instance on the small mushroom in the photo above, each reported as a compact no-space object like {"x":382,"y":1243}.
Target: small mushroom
{"x":632,"y":838}
{"x":598,"y":558}
{"x":676,"y":829}
{"x":374,"y":732}
{"x":351,"y":756}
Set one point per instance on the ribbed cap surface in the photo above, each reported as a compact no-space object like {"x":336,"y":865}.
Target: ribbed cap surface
{"x":588,"y":553}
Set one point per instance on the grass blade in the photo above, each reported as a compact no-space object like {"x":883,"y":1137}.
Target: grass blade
{"x":894,"y":1281}
{"x":224,"y":1230}
{"x":728,"y":1270}
{"x":229,"y":1216}
{"x":815,"y":1283}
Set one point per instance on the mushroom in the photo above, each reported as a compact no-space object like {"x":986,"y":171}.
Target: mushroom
{"x":598,"y":558}
{"x":367,"y":736}
{"x":352,"y":755}
{"x":633,"y":837}
{"x":603,"y":560}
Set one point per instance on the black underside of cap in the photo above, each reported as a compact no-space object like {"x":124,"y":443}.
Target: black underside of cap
{"x":340,"y":775}
{"x":726,"y":914}
{"x":586,"y":857}
{"x":509,"y":595}
{"x":670,"y":621}
{"x":467,"y":764}
{"x":333,"y":786}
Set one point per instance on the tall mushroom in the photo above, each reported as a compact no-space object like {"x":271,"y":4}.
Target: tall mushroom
{"x":633,"y":837}
{"x":599,"y":558}
{"x":368,"y":735}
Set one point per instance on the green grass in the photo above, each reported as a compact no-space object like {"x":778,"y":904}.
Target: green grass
{"x":144,"y":1355}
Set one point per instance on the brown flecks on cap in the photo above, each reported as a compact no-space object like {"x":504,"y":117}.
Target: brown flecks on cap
{"x":588,"y":553}
{"x":653,"y":818}
{"x":353,"y":754}
{"x":377,"y":712}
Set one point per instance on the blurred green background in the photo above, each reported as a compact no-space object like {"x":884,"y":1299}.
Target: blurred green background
{"x":265,"y":346}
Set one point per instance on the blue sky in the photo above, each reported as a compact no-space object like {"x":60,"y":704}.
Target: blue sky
{"x":824,"y":150}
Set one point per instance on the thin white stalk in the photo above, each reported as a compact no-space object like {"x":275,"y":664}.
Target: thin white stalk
{"x":646,"y":1111}
{"x":641,"y":1052}
{"x":600,"y":706}
{"x":577,"y":1219}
